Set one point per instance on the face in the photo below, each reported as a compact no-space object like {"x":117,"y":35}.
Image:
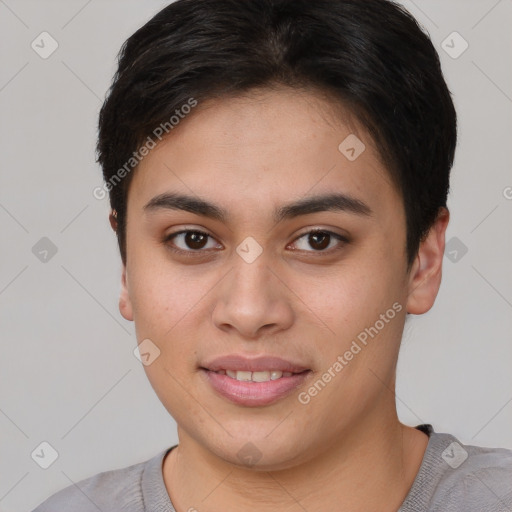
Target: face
{"x":284,"y":263}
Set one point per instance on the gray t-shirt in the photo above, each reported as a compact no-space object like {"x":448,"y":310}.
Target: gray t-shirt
{"x":452,"y":477}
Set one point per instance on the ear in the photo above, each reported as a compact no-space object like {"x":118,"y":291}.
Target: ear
{"x":125,"y":304}
{"x":426,"y":270}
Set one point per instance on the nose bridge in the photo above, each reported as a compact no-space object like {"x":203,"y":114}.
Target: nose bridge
{"x":250,"y":284}
{"x":252,"y":297}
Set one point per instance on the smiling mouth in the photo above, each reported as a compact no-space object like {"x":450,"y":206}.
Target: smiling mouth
{"x":254,"y":389}
{"x":253,"y":381}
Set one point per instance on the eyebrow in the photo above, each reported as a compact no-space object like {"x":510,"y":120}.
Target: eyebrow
{"x":313,"y":204}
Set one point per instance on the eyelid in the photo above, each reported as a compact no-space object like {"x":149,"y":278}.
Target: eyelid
{"x":316,"y":229}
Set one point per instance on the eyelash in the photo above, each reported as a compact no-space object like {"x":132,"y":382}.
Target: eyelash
{"x":194,"y":253}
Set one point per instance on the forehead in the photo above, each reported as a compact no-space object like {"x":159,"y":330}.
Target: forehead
{"x":266,"y":147}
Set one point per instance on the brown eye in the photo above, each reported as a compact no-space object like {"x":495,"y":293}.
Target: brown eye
{"x":189,"y":241}
{"x":319,"y":241}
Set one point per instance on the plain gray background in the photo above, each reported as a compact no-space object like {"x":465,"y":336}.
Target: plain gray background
{"x":67,"y":369}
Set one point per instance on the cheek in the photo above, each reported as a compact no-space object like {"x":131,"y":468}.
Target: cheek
{"x":161,"y":301}
{"x":169,"y":304}
{"x":346,"y":300}
{"x":157,"y":290}
{"x":358,"y":308}
{"x":165,"y":304}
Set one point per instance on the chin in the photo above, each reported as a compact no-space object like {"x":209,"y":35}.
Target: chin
{"x":260,"y":451}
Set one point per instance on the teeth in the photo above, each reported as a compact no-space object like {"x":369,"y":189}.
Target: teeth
{"x":245,"y":376}
{"x":260,"y":376}
{"x":263,"y":376}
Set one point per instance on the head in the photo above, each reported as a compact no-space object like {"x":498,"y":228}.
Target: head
{"x":250,"y":124}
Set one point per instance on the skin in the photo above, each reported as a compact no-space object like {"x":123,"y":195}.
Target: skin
{"x":345,"y":449}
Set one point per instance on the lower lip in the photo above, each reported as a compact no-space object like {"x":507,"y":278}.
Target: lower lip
{"x":253,"y":394}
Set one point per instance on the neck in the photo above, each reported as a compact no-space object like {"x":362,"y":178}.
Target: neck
{"x":370,"y":468}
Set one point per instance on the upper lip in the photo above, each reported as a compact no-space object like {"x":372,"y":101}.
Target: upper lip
{"x":254,"y":364}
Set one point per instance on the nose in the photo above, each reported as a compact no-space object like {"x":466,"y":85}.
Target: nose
{"x":253,"y":301}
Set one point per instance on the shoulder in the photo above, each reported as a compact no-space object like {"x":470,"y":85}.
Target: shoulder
{"x":456,"y":477}
{"x":475,"y":477}
{"x":119,"y":489}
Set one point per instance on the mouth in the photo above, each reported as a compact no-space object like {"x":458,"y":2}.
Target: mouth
{"x":253,"y":382}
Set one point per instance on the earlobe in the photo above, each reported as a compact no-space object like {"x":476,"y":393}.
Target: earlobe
{"x":426,"y":271}
{"x":125,"y":304}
